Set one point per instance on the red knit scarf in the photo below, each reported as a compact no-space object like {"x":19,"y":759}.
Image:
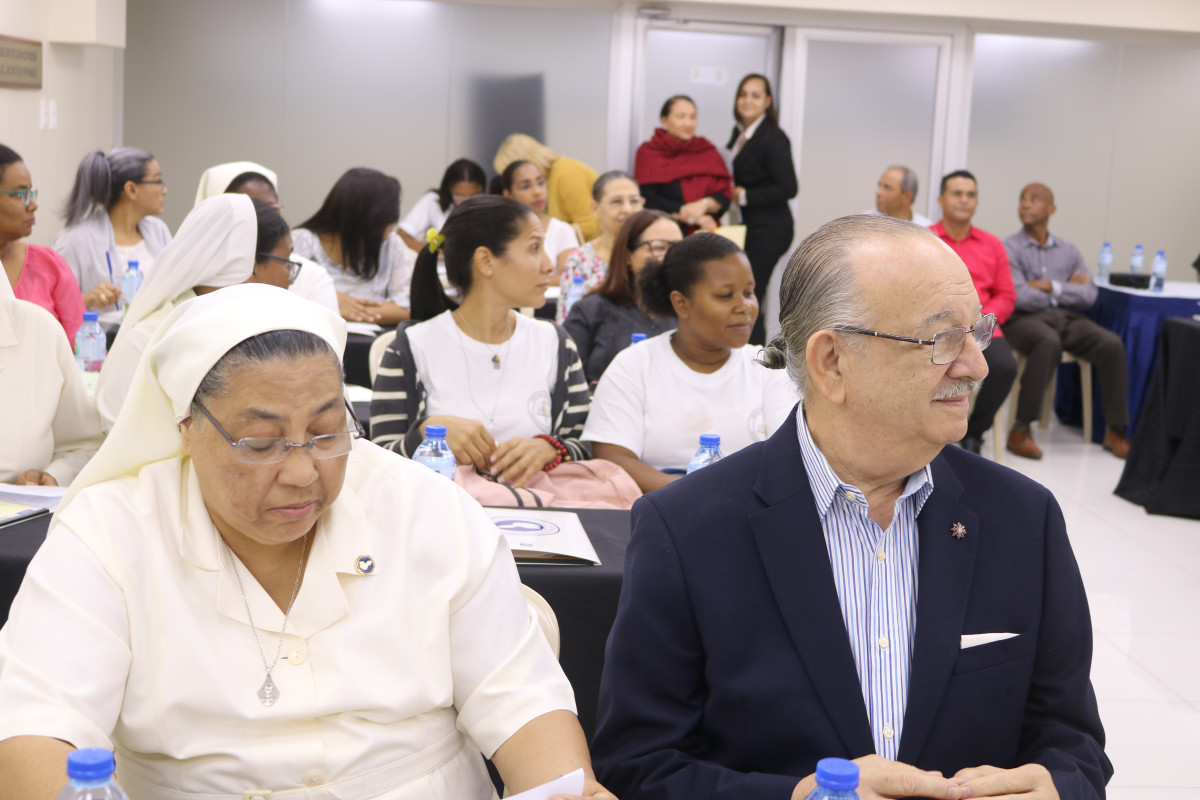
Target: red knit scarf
{"x":696,"y":164}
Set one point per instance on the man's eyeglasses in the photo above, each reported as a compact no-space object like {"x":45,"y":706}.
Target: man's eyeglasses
{"x":657,"y":247}
{"x":273,"y":449}
{"x":946,"y":344}
{"x":293,"y":267}
{"x":27,"y":197}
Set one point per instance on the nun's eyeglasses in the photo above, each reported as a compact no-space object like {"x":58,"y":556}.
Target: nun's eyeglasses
{"x":273,"y":449}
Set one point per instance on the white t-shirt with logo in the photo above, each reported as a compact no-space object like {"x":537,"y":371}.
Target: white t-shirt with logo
{"x":655,"y":405}
{"x":460,"y":379}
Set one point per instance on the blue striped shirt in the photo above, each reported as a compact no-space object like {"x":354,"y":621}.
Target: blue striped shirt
{"x":875,"y":572}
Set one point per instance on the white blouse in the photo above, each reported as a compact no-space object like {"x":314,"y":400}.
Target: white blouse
{"x":47,"y":421}
{"x":409,"y":649}
{"x":391,"y":282}
{"x":653,"y":404}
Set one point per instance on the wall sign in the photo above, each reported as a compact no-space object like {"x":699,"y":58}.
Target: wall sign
{"x":20,"y":63}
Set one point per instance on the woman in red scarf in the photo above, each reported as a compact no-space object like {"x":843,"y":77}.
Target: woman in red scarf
{"x":682,"y":173}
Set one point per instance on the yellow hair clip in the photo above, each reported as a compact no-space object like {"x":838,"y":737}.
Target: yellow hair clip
{"x":434,"y":239}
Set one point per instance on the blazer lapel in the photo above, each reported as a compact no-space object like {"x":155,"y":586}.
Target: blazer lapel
{"x":792,"y":547}
{"x":946,"y":564}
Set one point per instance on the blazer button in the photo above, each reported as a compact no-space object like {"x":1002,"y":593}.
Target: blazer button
{"x":297,"y":655}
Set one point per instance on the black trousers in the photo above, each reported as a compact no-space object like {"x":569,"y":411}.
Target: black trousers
{"x":766,"y":243}
{"x":1042,"y":336}
{"x":1002,"y":371}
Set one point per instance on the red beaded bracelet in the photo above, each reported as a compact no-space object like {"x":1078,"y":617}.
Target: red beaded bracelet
{"x":558,"y":446}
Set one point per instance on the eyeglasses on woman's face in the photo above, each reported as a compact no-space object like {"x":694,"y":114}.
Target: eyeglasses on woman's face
{"x":262,"y":450}
{"x":25,"y":197}
{"x":656,"y":247}
{"x":293,"y":267}
{"x":946,"y":345}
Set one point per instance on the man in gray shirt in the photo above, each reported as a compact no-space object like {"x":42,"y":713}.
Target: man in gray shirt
{"x":1053,"y":288}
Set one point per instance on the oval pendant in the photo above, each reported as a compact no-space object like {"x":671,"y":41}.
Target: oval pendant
{"x":268,"y":693}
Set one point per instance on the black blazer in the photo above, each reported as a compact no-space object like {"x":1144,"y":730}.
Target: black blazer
{"x":763,"y":167}
{"x":729,"y":673}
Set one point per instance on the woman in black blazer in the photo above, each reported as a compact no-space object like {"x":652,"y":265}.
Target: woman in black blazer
{"x":764,"y":180}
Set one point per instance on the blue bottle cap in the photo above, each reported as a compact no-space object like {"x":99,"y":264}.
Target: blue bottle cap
{"x":435,"y":431}
{"x":637,"y":337}
{"x":133,"y":265}
{"x":578,"y":279}
{"x":91,"y":316}
{"x":710,"y":440}
{"x":90,"y":764}
{"x":837,"y":774}
{"x":1162,"y":253}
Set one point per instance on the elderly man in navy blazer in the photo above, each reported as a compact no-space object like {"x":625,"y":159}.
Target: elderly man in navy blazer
{"x":852,"y":587}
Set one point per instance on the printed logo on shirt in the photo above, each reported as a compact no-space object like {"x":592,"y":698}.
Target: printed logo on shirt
{"x":756,"y":425}
{"x":539,"y":409}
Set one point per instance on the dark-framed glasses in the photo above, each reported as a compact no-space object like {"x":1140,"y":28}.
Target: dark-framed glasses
{"x":657,"y":247}
{"x":946,"y":345}
{"x":273,"y":449}
{"x":26,"y":197}
{"x":158,"y":181}
{"x":293,"y":267}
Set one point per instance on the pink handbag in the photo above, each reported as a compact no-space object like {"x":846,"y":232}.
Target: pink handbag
{"x":574,"y":484}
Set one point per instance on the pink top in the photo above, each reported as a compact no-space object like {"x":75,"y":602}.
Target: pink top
{"x":47,"y":281}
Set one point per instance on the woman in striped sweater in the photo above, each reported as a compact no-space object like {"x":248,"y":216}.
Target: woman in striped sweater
{"x":509,"y":389}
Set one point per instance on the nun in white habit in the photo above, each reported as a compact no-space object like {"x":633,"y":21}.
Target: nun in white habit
{"x":243,"y":598}
{"x":48,"y":426}
{"x":312,"y":282}
{"x":214,"y":248}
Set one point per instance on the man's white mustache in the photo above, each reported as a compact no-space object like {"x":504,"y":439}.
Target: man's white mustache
{"x":957,"y":389}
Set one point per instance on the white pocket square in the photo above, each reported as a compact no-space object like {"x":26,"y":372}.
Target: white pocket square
{"x":976,"y":639}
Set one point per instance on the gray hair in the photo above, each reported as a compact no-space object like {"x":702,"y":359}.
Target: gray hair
{"x":101,"y":179}
{"x":604,"y":180}
{"x":280,"y":345}
{"x":820,"y":290}
{"x":908,"y":179}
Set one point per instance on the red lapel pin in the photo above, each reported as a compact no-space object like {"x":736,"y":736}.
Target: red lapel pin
{"x":958,"y":530}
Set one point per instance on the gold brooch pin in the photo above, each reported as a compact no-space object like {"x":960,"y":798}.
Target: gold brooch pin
{"x":365,"y":565}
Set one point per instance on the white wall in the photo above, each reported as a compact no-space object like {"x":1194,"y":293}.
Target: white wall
{"x":81,"y":79}
{"x":312,"y":87}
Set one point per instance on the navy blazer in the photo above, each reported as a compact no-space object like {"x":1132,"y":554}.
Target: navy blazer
{"x":728,"y":672}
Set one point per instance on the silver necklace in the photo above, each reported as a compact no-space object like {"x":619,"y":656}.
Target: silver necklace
{"x":474,"y":333}
{"x":268,"y":693}
{"x":490,"y":419}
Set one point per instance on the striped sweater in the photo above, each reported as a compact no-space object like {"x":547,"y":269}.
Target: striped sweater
{"x":398,"y":401}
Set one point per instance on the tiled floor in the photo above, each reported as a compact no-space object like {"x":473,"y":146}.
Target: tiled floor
{"x":1142,"y":574}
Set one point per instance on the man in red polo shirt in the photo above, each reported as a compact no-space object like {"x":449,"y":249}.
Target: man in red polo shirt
{"x":987,"y":261}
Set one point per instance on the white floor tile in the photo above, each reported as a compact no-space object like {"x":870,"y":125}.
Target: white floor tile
{"x":1151,"y":793}
{"x":1152,"y":744}
{"x":1116,"y":676}
{"x":1171,"y":659}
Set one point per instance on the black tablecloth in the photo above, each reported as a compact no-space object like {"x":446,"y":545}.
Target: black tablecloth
{"x":356,"y":358}
{"x":583,"y":598}
{"x":1162,"y":472}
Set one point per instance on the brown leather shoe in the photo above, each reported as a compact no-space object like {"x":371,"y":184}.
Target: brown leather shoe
{"x":1117,"y":443}
{"x":1021,"y":443}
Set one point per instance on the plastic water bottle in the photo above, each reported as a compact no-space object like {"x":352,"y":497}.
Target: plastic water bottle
{"x":1104,"y":266}
{"x":1158,"y":271}
{"x":837,"y":779}
{"x":709,"y":452}
{"x":89,"y":350}
{"x":131,"y":281}
{"x":574,"y":292}
{"x":1137,"y":262}
{"x":637,"y":337}
{"x":90,"y":771}
{"x":435,"y":453}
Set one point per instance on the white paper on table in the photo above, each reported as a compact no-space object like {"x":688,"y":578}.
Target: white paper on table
{"x":357,"y":394}
{"x":538,"y":536}
{"x":364,"y":328}
{"x":571,"y":784}
{"x":46,"y":497}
